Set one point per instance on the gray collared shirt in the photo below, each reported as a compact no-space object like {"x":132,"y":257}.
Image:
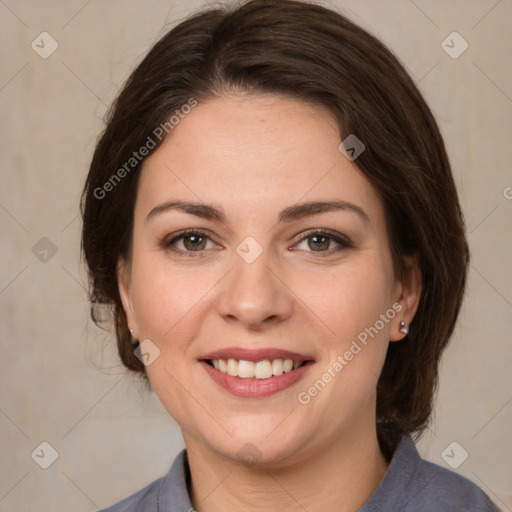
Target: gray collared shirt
{"x":410,"y":484}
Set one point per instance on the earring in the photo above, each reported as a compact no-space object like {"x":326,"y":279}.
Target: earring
{"x":403,"y":328}
{"x":131,"y":332}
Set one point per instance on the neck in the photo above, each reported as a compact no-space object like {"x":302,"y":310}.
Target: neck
{"x":338,"y":476}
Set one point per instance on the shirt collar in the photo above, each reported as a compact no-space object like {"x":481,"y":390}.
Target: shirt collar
{"x":173,"y":495}
{"x":395,"y":483}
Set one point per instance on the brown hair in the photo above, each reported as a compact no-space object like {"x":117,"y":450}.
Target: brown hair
{"x":313,"y":54}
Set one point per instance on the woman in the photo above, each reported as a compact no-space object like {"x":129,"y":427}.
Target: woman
{"x":272,"y":217}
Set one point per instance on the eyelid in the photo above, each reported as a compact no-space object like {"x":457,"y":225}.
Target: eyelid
{"x":188,"y":231}
{"x":342,"y":240}
{"x":339,"y":238}
{"x":169,"y":241}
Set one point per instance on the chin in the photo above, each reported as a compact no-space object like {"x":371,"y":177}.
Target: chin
{"x":260,"y":446}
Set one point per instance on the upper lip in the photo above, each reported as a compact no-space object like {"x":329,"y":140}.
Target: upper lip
{"x":255,"y":355}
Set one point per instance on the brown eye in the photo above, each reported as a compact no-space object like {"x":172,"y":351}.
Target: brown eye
{"x":188,"y":242}
{"x":318,"y":243}
{"x":194,"y":242}
{"x":323,"y":242}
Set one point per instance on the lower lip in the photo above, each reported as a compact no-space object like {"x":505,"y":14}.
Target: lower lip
{"x":256,"y":388}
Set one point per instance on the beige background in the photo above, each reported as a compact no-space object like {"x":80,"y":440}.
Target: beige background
{"x":61,"y":380}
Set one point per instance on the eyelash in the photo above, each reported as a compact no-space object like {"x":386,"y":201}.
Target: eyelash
{"x":344,"y":242}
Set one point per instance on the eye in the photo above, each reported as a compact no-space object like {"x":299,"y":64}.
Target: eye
{"x":322,"y":241}
{"x":189,"y":241}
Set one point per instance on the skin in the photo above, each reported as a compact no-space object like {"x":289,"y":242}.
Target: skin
{"x":252,"y":157}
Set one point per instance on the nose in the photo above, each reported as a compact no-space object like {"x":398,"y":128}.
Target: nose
{"x":254,"y":295}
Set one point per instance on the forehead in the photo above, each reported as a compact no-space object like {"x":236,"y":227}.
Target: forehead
{"x":254,"y":154}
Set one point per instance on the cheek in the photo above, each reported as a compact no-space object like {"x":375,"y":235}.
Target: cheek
{"x":350,"y":299}
{"x":166,"y":299}
{"x":342,"y":390}
{"x":356,"y":307}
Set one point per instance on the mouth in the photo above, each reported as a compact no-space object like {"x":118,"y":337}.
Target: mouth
{"x":264,"y":369}
{"x":255,"y":373}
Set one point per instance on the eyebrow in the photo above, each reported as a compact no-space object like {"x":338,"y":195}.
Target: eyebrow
{"x":302,"y":210}
{"x":290,"y":214}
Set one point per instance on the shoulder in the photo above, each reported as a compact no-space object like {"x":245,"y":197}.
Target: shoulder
{"x":412,"y":484}
{"x":442,"y":489}
{"x":144,"y":500}
{"x":167,"y":493}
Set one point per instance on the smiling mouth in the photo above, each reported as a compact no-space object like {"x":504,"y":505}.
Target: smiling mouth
{"x":264,"y":369}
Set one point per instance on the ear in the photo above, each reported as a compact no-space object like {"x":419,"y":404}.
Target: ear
{"x":125,"y":292}
{"x":407,"y":293}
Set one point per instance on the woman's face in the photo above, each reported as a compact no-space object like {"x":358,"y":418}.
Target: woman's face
{"x":286,"y":257}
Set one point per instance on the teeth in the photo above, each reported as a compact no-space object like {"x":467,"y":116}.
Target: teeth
{"x":246,"y":369}
{"x":287,"y":365}
{"x":259,"y":370}
{"x":277,"y":367}
{"x":263,"y":369}
{"x":232,"y":367}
